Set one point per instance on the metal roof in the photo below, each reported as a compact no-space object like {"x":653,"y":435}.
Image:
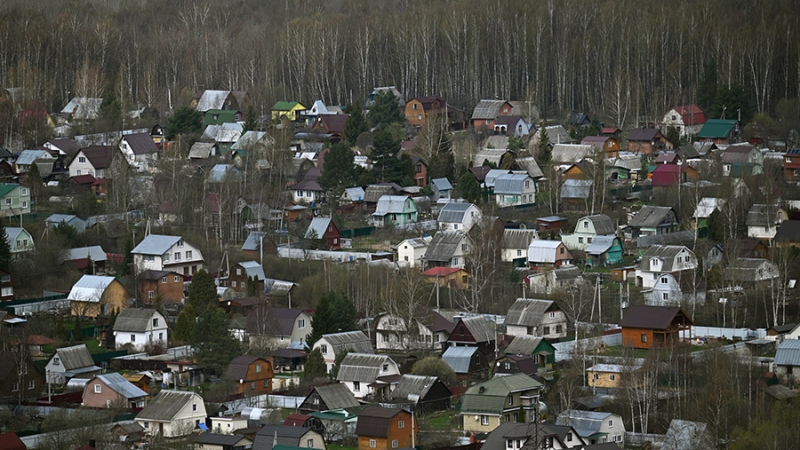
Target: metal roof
{"x":650,"y":216}
{"x":136,"y":319}
{"x":253,"y":269}
{"x":490,"y":396}
{"x":717,"y":128}
{"x":201,"y":150}
{"x":336,"y":396}
{"x":454,"y":212}
{"x":90,"y":288}
{"x":141,"y":143}
{"x":600,"y":245}
{"x":155,"y":244}
{"x":393,"y":204}
{"x":167,"y":404}
{"x":249,"y":139}
{"x":414,"y":387}
{"x":707,"y":205}
{"x":318,"y":227}
{"x":349,"y":340}
{"x":585,"y":423}
{"x":527,"y":312}
{"x":518,"y":239}
{"x":75,"y":357}
{"x":491,"y":176}
{"x":95,"y":253}
{"x":511,"y":183}
{"x":444,"y":245}
{"x":27,"y":157}
{"x":362,"y":367}
{"x":458,"y":358}
{"x":212,"y":99}
{"x":355,"y":194}
{"x":613,"y":368}
{"x":253,"y":240}
{"x":788,"y":353}
{"x":443,"y":184}
{"x":543,"y":251}
{"x":121,"y":386}
{"x":576,"y":188}
{"x":523,"y":345}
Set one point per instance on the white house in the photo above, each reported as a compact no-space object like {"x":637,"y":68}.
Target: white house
{"x":540,"y":318}
{"x":676,"y":289}
{"x":162,"y":252}
{"x":687,"y":119}
{"x":91,"y":161}
{"x":332,"y":344}
{"x":514,"y":189}
{"x":586,"y":229}
{"x":594,"y":427}
{"x":447,"y":249}
{"x":70,"y":362}
{"x":139,"y":150}
{"x":660,"y":259}
{"x":516,"y":243}
{"x":140,"y":327}
{"x":172,"y":413}
{"x":426,"y":330}
{"x":362,"y":373}
{"x":763,"y":221}
{"x":458,"y":216}
{"x":411,"y":251}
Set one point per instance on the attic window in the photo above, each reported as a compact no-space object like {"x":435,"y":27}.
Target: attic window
{"x":385,"y":367}
{"x":56,"y":361}
{"x":663,"y":280}
{"x":586,"y":224}
{"x":98,"y":388}
{"x":81,"y":159}
{"x":194,"y":406}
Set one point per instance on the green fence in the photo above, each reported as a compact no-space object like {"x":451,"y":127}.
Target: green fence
{"x":357,"y":232}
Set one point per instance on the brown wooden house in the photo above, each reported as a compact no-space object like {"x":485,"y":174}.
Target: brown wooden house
{"x":386,"y":428}
{"x":253,"y":375}
{"x":646,"y":141}
{"x":476,"y":331}
{"x":418,"y":109}
{"x":164,"y":284}
{"x":420,"y":172}
{"x":653,"y":326}
{"x":244,"y":273}
{"x":607,"y":144}
{"x":325,"y":231}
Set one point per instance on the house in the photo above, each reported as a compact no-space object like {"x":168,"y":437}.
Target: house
{"x":10,"y":441}
{"x":515,"y":246}
{"x":112,"y":390}
{"x":500,"y":157}
{"x":220,"y":116}
{"x":626,"y":166}
{"x":420,"y":172}
{"x":595,"y":427}
{"x":426,"y":393}
{"x":75,"y":222}
{"x":612,"y":376}
{"x":544,"y":254}
{"x":672,"y":175}
{"x":578,"y":120}
{"x":365,"y":374}
{"x":604,"y":251}
{"x":552,"y":226}
{"x":586,"y":229}
{"x":15,"y":199}
{"x":581,"y":170}
{"x":6,"y":286}
{"x":216,"y":99}
{"x":224,"y":136}
{"x":720,"y":131}
{"x":788,"y":233}
{"x":95,"y":295}
{"x":487,"y":111}
{"x":160,"y":284}
{"x":289,"y":109}
{"x":606,"y":144}
{"x":307,"y":191}
{"x":140,"y":327}
{"x":458,"y":216}
{"x":705,"y":207}
{"x":676,"y":289}
{"x":787,"y":361}
{"x":514,"y":189}
{"x":753,"y":273}
{"x":451,"y":277}
{"x":395,"y":210}
{"x":259,"y":243}
{"x":325,"y":231}
{"x":331,"y":126}
{"x":217,"y":441}
{"x":477,"y":331}
{"x":94,"y":161}
{"x":763,"y":221}
{"x":791,"y":165}
{"x":441,"y":188}
{"x":646,"y":141}
{"x":646,"y":326}
{"x":511,"y":436}
{"x":660,"y":259}
{"x":653,"y":220}
{"x":575,"y":194}
{"x":469,"y":363}
{"x":419,"y":109}
{"x":140,"y":380}
{"x":164,"y":252}
{"x":447,"y":249}
{"x":516,"y":363}
{"x":254,"y":375}
{"x":511,"y":125}
{"x":202,"y":151}
{"x":285,"y":437}
{"x":19,"y":239}
{"x":687,"y":119}
{"x":565,"y":155}
{"x":386,"y":428}
{"x":328,"y":397}
{"x":29,"y":157}
{"x":20,"y":378}
{"x":538,"y":348}
{"x":139,"y":151}
{"x":548,"y":281}
{"x":285,"y":327}
{"x":485,"y":406}
{"x":244,"y":273}
{"x":83,"y":108}
{"x":411,"y":251}
{"x":70,"y":362}
{"x":531,"y":317}
{"x":332,"y":344}
{"x":556,"y":134}
{"x":172,"y":413}
{"x":426,"y":329}
{"x":741,"y":160}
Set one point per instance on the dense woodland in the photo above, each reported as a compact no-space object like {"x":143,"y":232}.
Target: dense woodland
{"x":623,"y":61}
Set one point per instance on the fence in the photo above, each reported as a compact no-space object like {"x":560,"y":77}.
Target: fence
{"x":564,"y":349}
{"x":729,"y":333}
{"x":357,"y":232}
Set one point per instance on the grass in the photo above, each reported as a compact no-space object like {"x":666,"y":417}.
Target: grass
{"x":437,"y":421}
{"x":340,"y":447}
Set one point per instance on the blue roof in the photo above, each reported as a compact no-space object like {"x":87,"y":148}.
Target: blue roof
{"x":122,"y":386}
{"x":155,"y":244}
{"x":27,"y":157}
{"x":442,"y":183}
{"x":356,"y":194}
{"x":253,"y":241}
{"x":253,"y":269}
{"x":218,"y":173}
{"x":56,"y":219}
{"x":459,"y":357}
{"x":511,"y":183}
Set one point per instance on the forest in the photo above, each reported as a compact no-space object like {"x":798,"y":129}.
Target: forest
{"x":623,"y":61}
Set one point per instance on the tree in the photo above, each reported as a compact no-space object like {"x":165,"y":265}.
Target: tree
{"x":337,"y":362}
{"x":544,"y":154}
{"x":110,"y":112}
{"x":387,"y":167}
{"x":732,"y":103}
{"x":435,"y":367}
{"x":202,"y":291}
{"x":184,"y":327}
{"x":185,"y":120}
{"x":385,"y":110}
{"x":707,"y":88}
{"x":356,"y":124}
{"x":334,"y":313}
{"x":673,"y":136}
{"x":35,"y":182}
{"x":469,"y":187}
{"x":250,"y":120}
{"x":5,"y":250}
{"x":338,"y":170}
{"x":213,"y":345}
{"x":315,"y":366}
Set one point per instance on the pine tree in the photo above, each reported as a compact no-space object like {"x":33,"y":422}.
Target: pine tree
{"x":250,"y":120}
{"x":386,"y":166}
{"x":5,"y":250}
{"x":185,"y":120}
{"x":315,"y":366}
{"x":202,"y":291}
{"x":673,"y":136}
{"x":469,"y":187}
{"x":385,"y":110}
{"x":338,"y":170}
{"x":544,"y":154}
{"x":184,"y":327}
{"x":334,"y":313}
{"x":213,"y":345}
{"x":356,"y":124}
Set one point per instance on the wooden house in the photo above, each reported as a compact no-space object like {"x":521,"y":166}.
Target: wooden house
{"x":653,"y":326}
{"x":95,"y":295}
{"x":324,"y":231}
{"x":470,"y":364}
{"x":487,"y":111}
{"x":646,"y":141}
{"x":612,"y":376}
{"x":720,"y":131}
{"x":687,"y":119}
{"x":253,"y":375}
{"x":419,"y":109}
{"x":428,"y":393}
{"x":289,"y":109}
{"x":544,"y":254}
{"x":478,"y":331}
{"x":451,"y":277}
{"x":606,"y":144}
{"x":328,"y":397}
{"x":381,"y":428}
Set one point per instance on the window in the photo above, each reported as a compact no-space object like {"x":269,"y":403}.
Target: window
{"x":644,"y":338}
{"x":194,"y":406}
{"x":98,"y":388}
{"x":160,"y":336}
{"x":559,"y":328}
{"x":24,"y":204}
{"x":14,"y":387}
{"x":258,"y":368}
{"x":31,"y":384}
{"x":610,"y":423}
{"x":519,"y":252}
{"x":266,"y":383}
{"x":155,"y":322}
{"x":455,"y":261}
{"x":569,"y":437}
{"x":151,"y":294}
{"x":617,"y":438}
{"x":133,"y":338}
{"x":394,"y":443}
{"x":7,"y":291}
{"x":580,"y":240}
{"x":188,"y":254}
{"x":301,"y":323}
{"x":385,"y":367}
{"x":81,"y":159}
{"x":665,"y":296}
{"x":310,"y":443}
{"x":176,"y":278}
{"x":78,"y":173}
{"x":463,"y":247}
{"x":588,"y":240}
{"x":484,"y":420}
{"x":233,"y":284}
{"x":510,"y":443}
{"x":146,"y":425}
{"x":149,"y":258}
{"x":356,"y":386}
{"x":323,"y":349}
{"x":612,"y":377}
{"x":546,"y":330}
{"x":680,"y":260}
{"x":177,"y":256}
{"x":180,"y":243}
{"x":252,"y":385}
{"x":401,"y":424}
{"x":166,"y":257}
{"x":8,"y":201}
{"x":663,"y":280}
{"x":243,"y":285}
{"x":164,"y":280}
{"x":372,"y":443}
{"x":561,"y":250}
{"x":56,"y":361}
{"x":510,"y":400}
{"x":595,"y":376}
{"x":508,"y":366}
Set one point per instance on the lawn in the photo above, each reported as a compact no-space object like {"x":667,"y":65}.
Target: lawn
{"x":436,"y":421}
{"x":340,"y":447}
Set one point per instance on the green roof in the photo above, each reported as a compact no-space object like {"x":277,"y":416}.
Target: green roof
{"x":495,"y":392}
{"x":5,"y":188}
{"x":716,"y":128}
{"x":285,"y":106}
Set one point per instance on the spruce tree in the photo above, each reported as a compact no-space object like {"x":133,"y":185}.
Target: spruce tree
{"x":184,"y":327}
{"x":544,"y":154}
{"x":356,"y":124}
{"x":338,"y":170}
{"x":315,"y":366}
{"x":250,"y":120}
{"x":202,"y":291}
{"x":5,"y":250}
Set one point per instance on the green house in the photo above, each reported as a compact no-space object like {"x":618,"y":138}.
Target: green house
{"x":542,"y":352}
{"x":395,"y":210}
{"x":604,"y":251}
{"x":220,"y":116}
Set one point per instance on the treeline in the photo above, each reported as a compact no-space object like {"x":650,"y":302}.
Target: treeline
{"x":622,"y":60}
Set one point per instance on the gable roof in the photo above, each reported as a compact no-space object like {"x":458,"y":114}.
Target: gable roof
{"x":141,"y":143}
{"x":355,"y":341}
{"x":121,"y":386}
{"x":707,"y":205}
{"x":650,"y":317}
{"x":75,"y":357}
{"x":10,"y":441}
{"x":253,"y":241}
{"x":90,"y":288}
{"x":375,"y":421}
{"x":413,"y":386}
{"x":691,"y":114}
{"x":318,"y":227}
{"x":443,"y":184}
{"x":362,"y":367}
{"x":27,"y":157}
{"x":332,"y":123}
{"x":286,"y":436}
{"x":481,"y":328}
{"x":98,"y":155}
{"x":571,"y":153}
{"x":201,"y":150}
{"x":717,"y":129}
{"x":665,"y":253}
{"x":523,"y":345}
{"x":223,"y":440}
{"x":454,"y":212}
{"x":529,"y":164}
{"x":739,"y":153}
{"x":542,"y":250}
{"x":444,"y":245}
{"x":585,"y":423}
{"x":336,"y":396}
{"x":487,"y":109}
{"x":761,"y":215}
{"x":492,"y":155}
{"x":572,"y":188}
{"x":650,"y":216}
{"x":237,"y":368}
{"x":788,"y":353}
{"x":253,"y":269}
{"x":356,"y":194}
{"x":458,"y":358}
{"x":643,"y":134}
{"x":601,"y":244}
{"x":490,"y":396}
{"x":688,"y":151}
{"x":134,"y":319}
{"x":511,"y":183}
{"x":95,"y":253}
{"x":527,"y":311}
{"x":518,"y":239}
{"x":166,"y":405}
{"x":390,"y":204}
{"x":155,"y":244}
{"x":602,"y":224}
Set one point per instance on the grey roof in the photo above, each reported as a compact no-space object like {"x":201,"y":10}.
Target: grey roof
{"x":414,"y":385}
{"x":511,"y":183}
{"x":788,"y":353}
{"x":523,"y":345}
{"x":571,"y":153}
{"x":585,"y":423}
{"x":418,"y":242}
{"x":602,"y":223}
{"x":493,"y":155}
{"x":134,"y":319}
{"x":355,"y":341}
{"x":491,"y":176}
{"x":286,"y":436}
{"x":219,"y":172}
{"x":490,"y":396}
{"x":391,"y":204}
{"x":666,"y":253}
{"x":487,"y":109}
{"x":650,"y":216}
{"x":576,"y":188}
{"x":527,"y":312}
{"x":529,"y":164}
{"x":557,"y":134}
{"x":567,"y":273}
{"x":630,"y":161}
{"x":225,"y":440}
{"x":55,"y":219}
{"x":212,"y":99}
{"x":480,"y":327}
{"x":75,"y":357}
{"x":253,"y":240}
{"x":374,"y":192}
{"x":249,"y":139}
{"x":166,"y":405}
{"x":443,"y":245}
{"x":362,"y":367}
{"x":454,"y":212}
{"x":141,"y":143}
{"x":121,"y":386}
{"x":95,"y":253}
{"x":686,"y":435}
{"x":201,"y":150}
{"x":336,"y":396}
{"x":518,"y":239}
{"x":317,"y":227}
{"x":27,"y":157}
{"x":496,"y":142}
{"x":355,"y":193}
{"x":225,"y":132}
{"x":83,"y":107}
{"x":253,"y":269}
{"x":443,"y":184}
{"x":600,"y":245}
{"x":458,"y":358}
{"x":707,"y":205}
{"x":762,"y":216}
{"x":155,"y":244}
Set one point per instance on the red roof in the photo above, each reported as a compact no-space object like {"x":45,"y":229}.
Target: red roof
{"x":667,"y":175}
{"x":440,"y":271}
{"x":83,"y":179}
{"x":295,"y":420}
{"x":10,"y":441}
{"x":691,"y":114}
{"x":609,"y":130}
{"x":38,"y":339}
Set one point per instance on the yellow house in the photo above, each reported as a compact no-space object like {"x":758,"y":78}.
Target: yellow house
{"x":290,"y":110}
{"x":612,"y":376}
{"x":452,"y":277}
{"x":95,"y":295}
